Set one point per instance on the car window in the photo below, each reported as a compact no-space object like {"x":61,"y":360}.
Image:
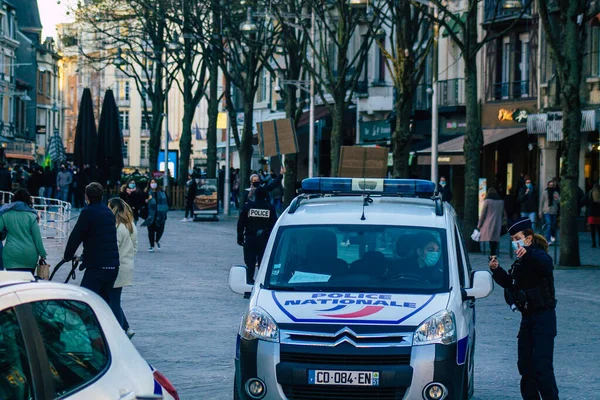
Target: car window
{"x":15,"y":378}
{"x":355,"y":258}
{"x":459,"y":259}
{"x":74,"y":343}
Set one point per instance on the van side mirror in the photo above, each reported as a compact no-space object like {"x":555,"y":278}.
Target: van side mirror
{"x":482,"y":285}
{"x":237,"y":280}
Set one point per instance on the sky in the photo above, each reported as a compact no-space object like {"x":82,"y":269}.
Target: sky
{"x":52,"y":14}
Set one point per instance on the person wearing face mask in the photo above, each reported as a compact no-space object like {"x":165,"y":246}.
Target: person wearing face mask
{"x":134,"y":198}
{"x":256,"y":181}
{"x":256,"y":221}
{"x":423,"y":261}
{"x":529,"y":288}
{"x":528,"y":201}
{"x":444,"y":190}
{"x":158,"y":206}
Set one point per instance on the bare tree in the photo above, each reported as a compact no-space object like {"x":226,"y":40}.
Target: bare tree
{"x":140,"y":29}
{"x":407,"y":28}
{"x":248,"y":46}
{"x":341,"y":50}
{"x":565,"y":24}
{"x":464,"y":33}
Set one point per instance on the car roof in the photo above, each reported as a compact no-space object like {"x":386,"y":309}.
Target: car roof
{"x":9,"y":278}
{"x":347,"y":210}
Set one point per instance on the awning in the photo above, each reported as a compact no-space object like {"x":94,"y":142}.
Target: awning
{"x":19,"y":156}
{"x":454,"y":26}
{"x":320,"y":112}
{"x":455,"y":146}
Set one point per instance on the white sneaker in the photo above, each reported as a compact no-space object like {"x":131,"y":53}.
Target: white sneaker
{"x":184,"y":220}
{"x":157,"y":246}
{"x":151,"y":249}
{"x":130,"y":333}
{"x":190,"y":219}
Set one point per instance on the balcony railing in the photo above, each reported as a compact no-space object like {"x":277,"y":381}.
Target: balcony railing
{"x":123,"y":102}
{"x":494,"y":10}
{"x":511,"y":90}
{"x":451,"y":93}
{"x":423,"y":97}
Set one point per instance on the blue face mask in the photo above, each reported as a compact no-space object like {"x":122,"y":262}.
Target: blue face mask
{"x":529,"y":185}
{"x":431,"y":258}
{"x":442,"y":183}
{"x":132,"y":186}
{"x":517,"y":243}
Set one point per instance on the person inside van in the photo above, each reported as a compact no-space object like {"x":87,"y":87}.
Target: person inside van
{"x":424,"y":261}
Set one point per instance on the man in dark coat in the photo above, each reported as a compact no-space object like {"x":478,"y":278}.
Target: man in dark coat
{"x":257,"y":219}
{"x":528,"y":201}
{"x":96,"y":229}
{"x":5,"y":180}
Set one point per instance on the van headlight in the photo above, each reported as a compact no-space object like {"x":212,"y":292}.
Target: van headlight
{"x":258,"y":324}
{"x":439,"y":328}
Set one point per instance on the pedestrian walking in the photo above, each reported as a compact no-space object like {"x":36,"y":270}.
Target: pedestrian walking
{"x":592,"y":205}
{"x":528,"y":201}
{"x":48,"y":182}
{"x":63,"y":182}
{"x":444,"y":190}
{"x":529,"y":288}
{"x":5,"y":179}
{"x":127,"y":241}
{"x":19,"y":227}
{"x":158,"y":207}
{"x":34,"y":183}
{"x":256,"y":221}
{"x":96,"y":228}
{"x":134,"y":197}
{"x":549,"y":210}
{"x":191,"y":186}
{"x":491,"y":220}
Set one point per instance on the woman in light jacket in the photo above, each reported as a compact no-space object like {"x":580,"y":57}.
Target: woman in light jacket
{"x":128,"y":246}
{"x":491,"y":219}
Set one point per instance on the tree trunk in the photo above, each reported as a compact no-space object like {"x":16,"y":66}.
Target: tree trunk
{"x":571,"y":108}
{"x":185,"y":141}
{"x":154,"y":143}
{"x":337,"y":129}
{"x":289,"y":187}
{"x":472,"y":151}
{"x":213,"y":102}
{"x":402,"y":135}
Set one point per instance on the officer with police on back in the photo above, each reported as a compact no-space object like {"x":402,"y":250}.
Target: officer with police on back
{"x":257,"y":219}
{"x":529,"y":288}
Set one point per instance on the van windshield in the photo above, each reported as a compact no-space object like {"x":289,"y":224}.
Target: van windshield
{"x":359,"y":258}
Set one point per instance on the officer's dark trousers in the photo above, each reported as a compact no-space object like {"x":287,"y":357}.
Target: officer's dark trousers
{"x":536,"y":351}
{"x":100,"y":281}
{"x":254,"y":248}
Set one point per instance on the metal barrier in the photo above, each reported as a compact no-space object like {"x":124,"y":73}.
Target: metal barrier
{"x":5,"y":197}
{"x":54,"y":215}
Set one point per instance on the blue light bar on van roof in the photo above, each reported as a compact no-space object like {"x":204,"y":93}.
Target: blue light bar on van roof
{"x":406,"y":187}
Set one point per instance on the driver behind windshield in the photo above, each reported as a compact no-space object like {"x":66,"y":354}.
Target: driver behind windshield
{"x":420,"y":259}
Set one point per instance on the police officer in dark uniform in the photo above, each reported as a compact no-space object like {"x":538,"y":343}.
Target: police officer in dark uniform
{"x":257,"y":219}
{"x":529,"y":288}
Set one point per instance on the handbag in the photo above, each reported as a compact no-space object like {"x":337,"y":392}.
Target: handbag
{"x":476,"y":235}
{"x":144,"y":212}
{"x":43,"y":269}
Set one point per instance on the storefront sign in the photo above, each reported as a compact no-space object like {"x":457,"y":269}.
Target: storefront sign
{"x":20,"y":147}
{"x":517,"y":115}
{"x":442,"y":160}
{"x":482,"y":193}
{"x":173,"y":162}
{"x":40,"y":129}
{"x":373,"y":131}
{"x":207,"y":200}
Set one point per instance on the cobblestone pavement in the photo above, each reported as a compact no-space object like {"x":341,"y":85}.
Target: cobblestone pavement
{"x":186,"y":318}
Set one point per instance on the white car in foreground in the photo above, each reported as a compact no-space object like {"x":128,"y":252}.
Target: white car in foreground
{"x":62,"y":341}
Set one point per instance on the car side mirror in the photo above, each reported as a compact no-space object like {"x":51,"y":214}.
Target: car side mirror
{"x":482,"y":285}
{"x":237,"y":280}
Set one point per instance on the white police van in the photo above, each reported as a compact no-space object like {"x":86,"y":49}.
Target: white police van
{"x":365,"y":292}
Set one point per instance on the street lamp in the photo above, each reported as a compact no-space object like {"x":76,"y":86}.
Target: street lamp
{"x":249,"y":27}
{"x":512,"y":4}
{"x":119,"y":61}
